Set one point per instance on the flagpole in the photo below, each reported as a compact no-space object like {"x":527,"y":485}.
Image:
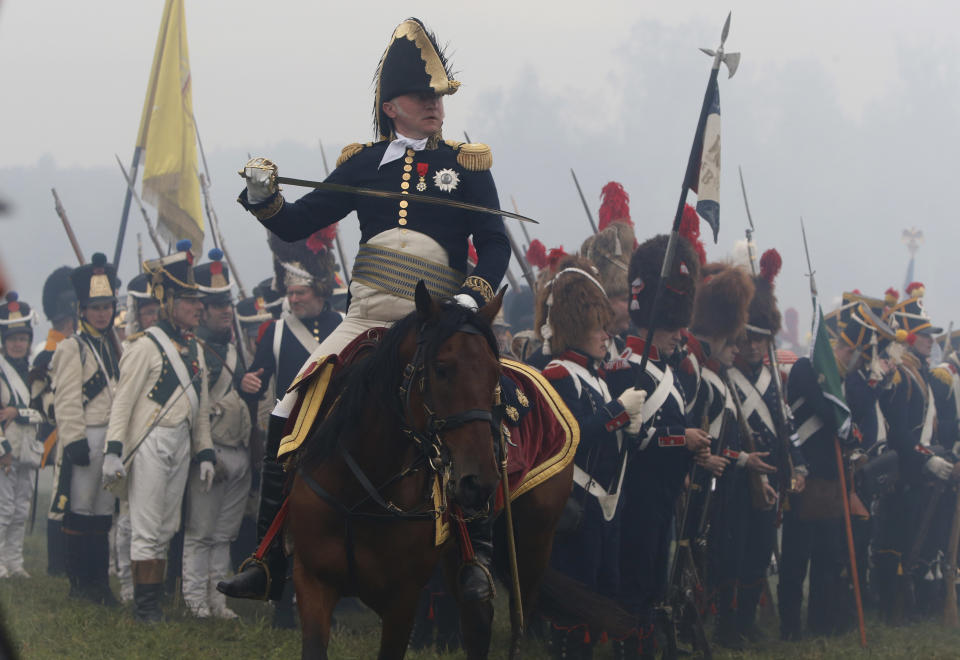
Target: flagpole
{"x":692,"y":174}
{"x":144,"y":125}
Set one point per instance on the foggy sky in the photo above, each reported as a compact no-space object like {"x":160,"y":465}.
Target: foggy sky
{"x":846,"y":117}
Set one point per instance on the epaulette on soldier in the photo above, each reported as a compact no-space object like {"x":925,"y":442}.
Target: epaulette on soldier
{"x":943,"y":375}
{"x":473,"y":156}
{"x":136,"y":335}
{"x":555,"y":372}
{"x":350,"y":151}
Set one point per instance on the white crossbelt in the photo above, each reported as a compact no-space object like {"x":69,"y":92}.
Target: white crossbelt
{"x":752,"y":399}
{"x":17,"y":386}
{"x":222,"y":386}
{"x":716,"y":425}
{"x":665,"y":388}
{"x":178,"y":365}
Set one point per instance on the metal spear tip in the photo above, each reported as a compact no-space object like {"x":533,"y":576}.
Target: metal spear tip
{"x":726,"y":29}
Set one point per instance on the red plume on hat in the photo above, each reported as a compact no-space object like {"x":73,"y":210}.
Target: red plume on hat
{"x":614,"y":205}
{"x":770,"y":264}
{"x":537,"y":254}
{"x":472,"y":256}
{"x":554,"y":257}
{"x":690,"y":230}
{"x":915,"y":289}
{"x":322,"y":239}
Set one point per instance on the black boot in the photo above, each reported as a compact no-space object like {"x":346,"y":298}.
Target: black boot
{"x":74,"y":563}
{"x":56,"y":548}
{"x":476,"y":580}
{"x":99,"y":571}
{"x":147,"y":590}
{"x":264,"y":579}
{"x":747,"y":600}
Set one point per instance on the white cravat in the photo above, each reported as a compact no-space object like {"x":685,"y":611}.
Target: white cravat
{"x":398,"y":147}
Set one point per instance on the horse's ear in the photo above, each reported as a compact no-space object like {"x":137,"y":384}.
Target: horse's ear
{"x":425,"y":306}
{"x":491,"y":309}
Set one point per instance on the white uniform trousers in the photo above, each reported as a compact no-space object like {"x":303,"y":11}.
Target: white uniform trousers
{"x":368,"y":309}
{"x":16,"y":492}
{"x":122,"y":547}
{"x":87,"y":494}
{"x":213,"y":521}
{"x":158,"y":478}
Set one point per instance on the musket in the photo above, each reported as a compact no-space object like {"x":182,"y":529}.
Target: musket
{"x":160,"y":416}
{"x":132,"y":191}
{"x":583,"y":200}
{"x":526,"y":234}
{"x":66,"y":226}
{"x":336,"y":236}
{"x":786,"y":417}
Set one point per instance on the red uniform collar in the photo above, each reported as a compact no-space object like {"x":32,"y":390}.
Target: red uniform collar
{"x":638,"y":345}
{"x":577,"y":357}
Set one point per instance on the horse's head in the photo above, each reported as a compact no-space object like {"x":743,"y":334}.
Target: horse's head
{"x":455,"y":394}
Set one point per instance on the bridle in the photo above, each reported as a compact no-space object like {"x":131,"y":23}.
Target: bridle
{"x":432,"y":456}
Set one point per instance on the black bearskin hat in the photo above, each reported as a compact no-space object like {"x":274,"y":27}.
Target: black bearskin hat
{"x":308,"y":262}
{"x":676,"y":301}
{"x":95,"y":281}
{"x":59,"y":296}
{"x":721,"y":306}
{"x":765,"y":317}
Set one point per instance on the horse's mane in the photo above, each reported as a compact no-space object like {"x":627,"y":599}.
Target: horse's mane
{"x":371,"y":385}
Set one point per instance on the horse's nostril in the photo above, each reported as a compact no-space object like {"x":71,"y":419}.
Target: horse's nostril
{"x":472,"y":494}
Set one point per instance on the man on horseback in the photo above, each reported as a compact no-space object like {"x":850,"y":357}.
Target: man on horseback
{"x":401,"y":243}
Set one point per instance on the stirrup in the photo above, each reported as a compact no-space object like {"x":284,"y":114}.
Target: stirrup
{"x":257,"y":561}
{"x":486,"y":573}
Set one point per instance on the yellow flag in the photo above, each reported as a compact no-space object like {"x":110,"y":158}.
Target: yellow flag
{"x":168,"y":134}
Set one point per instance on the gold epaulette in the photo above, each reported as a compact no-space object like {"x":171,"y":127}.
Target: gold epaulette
{"x":473,"y":156}
{"x":136,"y":335}
{"x":943,"y":375}
{"x":350,"y":151}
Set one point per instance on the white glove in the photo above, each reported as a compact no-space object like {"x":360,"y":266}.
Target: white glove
{"x":32,"y":416}
{"x":113,"y":469}
{"x":206,"y":475}
{"x":938,"y":467}
{"x":632,"y":401}
{"x":260,"y":175}
{"x":467,"y":301}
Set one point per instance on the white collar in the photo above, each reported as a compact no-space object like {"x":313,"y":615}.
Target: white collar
{"x":399,"y":146}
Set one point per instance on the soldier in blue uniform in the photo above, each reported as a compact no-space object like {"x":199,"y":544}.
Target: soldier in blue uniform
{"x":763,"y":412}
{"x":661,"y":454}
{"x":401,"y":242}
{"x":576,"y":310}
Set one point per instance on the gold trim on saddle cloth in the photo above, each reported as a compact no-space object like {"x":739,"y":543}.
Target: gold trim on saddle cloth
{"x":540,"y":473}
{"x":397,"y":273}
{"x":317,"y":380}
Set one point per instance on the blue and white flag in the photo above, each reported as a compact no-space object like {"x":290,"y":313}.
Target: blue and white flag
{"x":707,"y":184}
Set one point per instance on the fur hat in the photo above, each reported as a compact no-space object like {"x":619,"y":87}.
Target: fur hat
{"x":765,"y":317}
{"x":610,"y":251}
{"x":721,"y":306}
{"x":676,"y":302}
{"x":570,"y":305}
{"x":308,"y":262}
{"x":59,"y":296}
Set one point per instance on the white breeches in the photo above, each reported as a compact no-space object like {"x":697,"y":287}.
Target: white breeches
{"x":213,"y":521}
{"x":16,"y":491}
{"x":158,"y":478}
{"x":368,"y":309}
{"x":87,"y":494}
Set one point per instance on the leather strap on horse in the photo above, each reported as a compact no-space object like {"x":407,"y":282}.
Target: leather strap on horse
{"x":272,"y":531}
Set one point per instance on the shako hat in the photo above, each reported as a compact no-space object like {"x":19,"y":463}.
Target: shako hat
{"x":172,"y":276}
{"x":764,"y":318}
{"x":910,"y":314}
{"x":858,"y":318}
{"x":571,"y":305}
{"x":59,"y":297}
{"x":139,"y":292}
{"x":307,"y":262}
{"x":267,"y":298}
{"x":722,"y":302}
{"x":213,"y":279}
{"x":15,"y":316}
{"x":96,"y":281}
{"x":412,"y":63}
{"x":252,"y":312}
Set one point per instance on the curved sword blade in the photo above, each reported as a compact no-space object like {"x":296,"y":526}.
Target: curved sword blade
{"x":412,"y":197}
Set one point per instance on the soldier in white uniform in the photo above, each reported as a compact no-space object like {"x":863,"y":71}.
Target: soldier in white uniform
{"x":84,"y":383}
{"x":214,"y":514}
{"x":162,"y":401}
{"x":20,"y":449}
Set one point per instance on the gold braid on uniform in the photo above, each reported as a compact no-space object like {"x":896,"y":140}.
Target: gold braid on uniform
{"x":270,"y":209}
{"x":481,"y":286}
{"x":473,"y":156}
{"x":350,"y":151}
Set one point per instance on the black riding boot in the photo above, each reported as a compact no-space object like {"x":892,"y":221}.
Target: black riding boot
{"x":99,"y":575}
{"x":264,"y":579}
{"x":476,"y":580}
{"x":74,"y":562}
{"x":56,"y":548}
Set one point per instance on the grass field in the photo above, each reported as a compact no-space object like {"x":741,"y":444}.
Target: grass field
{"x":45,"y":624}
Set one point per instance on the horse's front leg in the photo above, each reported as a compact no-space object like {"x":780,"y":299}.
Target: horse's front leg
{"x":397,"y":616}
{"x":316,"y":601}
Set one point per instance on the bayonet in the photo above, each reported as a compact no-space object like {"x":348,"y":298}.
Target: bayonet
{"x":810,"y":271}
{"x":526,"y":234}
{"x":751,"y":228}
{"x":583,"y":199}
{"x":131,"y":189}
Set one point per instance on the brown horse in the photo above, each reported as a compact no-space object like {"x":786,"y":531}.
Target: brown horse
{"x":361,"y":510}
